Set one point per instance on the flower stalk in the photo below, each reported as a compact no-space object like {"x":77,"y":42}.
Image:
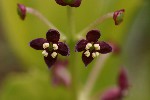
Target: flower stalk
{"x":94,"y":24}
{"x":73,"y":57}
{"x":95,"y":72}
{"x":71,"y":22}
{"x":44,"y":20}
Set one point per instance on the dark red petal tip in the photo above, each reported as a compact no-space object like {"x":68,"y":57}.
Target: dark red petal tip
{"x":53,"y":36}
{"x":63,"y":49}
{"x":112,"y":94}
{"x":104,"y":47}
{"x":80,"y":46}
{"x":21,"y":11}
{"x":61,"y":2}
{"x":123,"y":80}
{"x":72,"y":3}
{"x":118,"y":16}
{"x":49,"y":60}
{"x":38,"y":43}
{"x":76,"y":3}
{"x":93,"y":35}
{"x":86,"y":60}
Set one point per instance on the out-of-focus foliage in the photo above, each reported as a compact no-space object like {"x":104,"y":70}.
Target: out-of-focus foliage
{"x":35,"y":84}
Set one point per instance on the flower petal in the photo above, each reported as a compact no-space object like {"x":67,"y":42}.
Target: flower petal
{"x":49,"y":60}
{"x":63,"y":49}
{"x":104,"y":47}
{"x":38,"y":43}
{"x":80,"y":46}
{"x":112,"y":94}
{"x":86,"y":60}
{"x":61,"y":2}
{"x":93,"y":35}
{"x":123,"y":80}
{"x":76,"y":3}
{"x":52,"y":36}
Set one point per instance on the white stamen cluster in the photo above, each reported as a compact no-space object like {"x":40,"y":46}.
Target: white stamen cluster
{"x":55,"y":46}
{"x":97,"y":46}
{"x":45,"y":53}
{"x":88,"y":46}
{"x":54,"y":54}
{"x":45,"y":45}
{"x":95,"y":54}
{"x":87,"y":53}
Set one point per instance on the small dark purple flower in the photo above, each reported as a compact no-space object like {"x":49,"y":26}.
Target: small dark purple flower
{"x":112,"y":94}
{"x":21,"y":11}
{"x":60,"y":73}
{"x":119,"y":92}
{"x":91,"y":47}
{"x":72,"y":3}
{"x":118,"y":16}
{"x":123,"y":82}
{"x":51,"y":46}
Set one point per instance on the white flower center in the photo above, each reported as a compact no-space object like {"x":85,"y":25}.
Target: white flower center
{"x":97,"y":46}
{"x":87,"y":53}
{"x":54,"y":54}
{"x":55,"y":46}
{"x":95,"y":54}
{"x":88,"y":46}
{"x":45,"y":45}
{"x":45,"y":53}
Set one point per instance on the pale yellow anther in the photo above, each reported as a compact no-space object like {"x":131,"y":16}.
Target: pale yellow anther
{"x":55,"y":46}
{"x":97,"y":46}
{"x":97,"y":54}
{"x":87,"y":53}
{"x":54,"y":54}
{"x":88,"y":46}
{"x":93,"y":55}
{"x":45,"y":45}
{"x":45,"y":53}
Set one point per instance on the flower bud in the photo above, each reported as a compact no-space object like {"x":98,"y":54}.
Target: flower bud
{"x":21,"y":11}
{"x":118,"y":16}
{"x":112,"y":94}
{"x":60,"y":73}
{"x":123,"y":82}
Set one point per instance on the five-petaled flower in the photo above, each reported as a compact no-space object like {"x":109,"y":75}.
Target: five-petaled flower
{"x":72,"y":3}
{"x":50,"y":46}
{"x":91,"y":47}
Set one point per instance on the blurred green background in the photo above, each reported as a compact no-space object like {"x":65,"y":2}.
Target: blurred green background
{"x":23,"y":73}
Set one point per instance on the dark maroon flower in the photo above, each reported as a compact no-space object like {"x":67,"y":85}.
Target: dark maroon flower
{"x":91,"y":47}
{"x":21,"y":11}
{"x":118,"y":16}
{"x":50,"y":46}
{"x":123,"y":82}
{"x":72,"y":3}
{"x":112,"y":94}
{"x":60,"y":73}
{"x":119,"y":92}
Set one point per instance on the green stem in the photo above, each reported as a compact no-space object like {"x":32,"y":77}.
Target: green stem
{"x":94,"y":24}
{"x":95,"y":72}
{"x":45,"y":20}
{"x":71,"y":22}
{"x":73,"y":57}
